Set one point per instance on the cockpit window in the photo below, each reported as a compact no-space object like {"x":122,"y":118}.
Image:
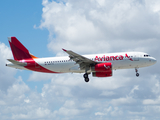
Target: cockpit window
{"x":146,"y":55}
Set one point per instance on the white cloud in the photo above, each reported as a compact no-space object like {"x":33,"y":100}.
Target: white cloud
{"x":37,"y":76}
{"x":113,"y":111}
{"x":151,"y":101}
{"x":136,"y":87}
{"x":17,"y":88}
{"x":6,"y":73}
{"x":89,"y":26}
{"x":123,"y":101}
{"x":27,"y":101}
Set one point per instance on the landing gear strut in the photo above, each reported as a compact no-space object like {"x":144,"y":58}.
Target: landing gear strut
{"x":137,"y":74}
{"x":86,"y":77}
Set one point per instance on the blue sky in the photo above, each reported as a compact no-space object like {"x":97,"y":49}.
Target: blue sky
{"x":86,"y":27}
{"x":17,"y":18}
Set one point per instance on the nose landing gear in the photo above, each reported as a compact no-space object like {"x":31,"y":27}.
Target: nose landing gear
{"x":137,"y":74}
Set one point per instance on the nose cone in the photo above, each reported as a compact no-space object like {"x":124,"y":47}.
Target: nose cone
{"x":153,"y":60}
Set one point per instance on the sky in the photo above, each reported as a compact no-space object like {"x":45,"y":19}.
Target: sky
{"x":85,"y":27}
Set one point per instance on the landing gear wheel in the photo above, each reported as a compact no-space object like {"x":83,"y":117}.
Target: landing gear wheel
{"x":86,"y":79}
{"x":85,"y":75}
{"x":137,"y":74}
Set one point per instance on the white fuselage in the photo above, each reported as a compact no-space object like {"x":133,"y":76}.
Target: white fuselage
{"x":123,"y":60}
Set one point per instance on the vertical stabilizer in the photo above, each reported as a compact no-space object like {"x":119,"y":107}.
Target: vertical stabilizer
{"x":19,"y":51}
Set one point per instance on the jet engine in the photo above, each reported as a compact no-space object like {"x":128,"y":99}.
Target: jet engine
{"x":102,"y":70}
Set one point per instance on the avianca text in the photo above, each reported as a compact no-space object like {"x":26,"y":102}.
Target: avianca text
{"x":108,"y":58}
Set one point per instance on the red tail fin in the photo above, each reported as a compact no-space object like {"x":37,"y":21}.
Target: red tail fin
{"x":19,"y":51}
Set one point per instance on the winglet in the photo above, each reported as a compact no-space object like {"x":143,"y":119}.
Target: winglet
{"x":64,"y":50}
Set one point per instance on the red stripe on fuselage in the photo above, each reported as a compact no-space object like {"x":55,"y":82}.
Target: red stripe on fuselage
{"x":32,"y":65}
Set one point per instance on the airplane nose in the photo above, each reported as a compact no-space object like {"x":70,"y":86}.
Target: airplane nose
{"x":153,"y":60}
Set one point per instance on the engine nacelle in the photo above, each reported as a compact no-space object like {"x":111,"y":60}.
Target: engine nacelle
{"x":102,"y":74}
{"x":102,"y":70}
{"x":102,"y":67}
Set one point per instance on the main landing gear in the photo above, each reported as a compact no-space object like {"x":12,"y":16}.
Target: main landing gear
{"x":86,"y":77}
{"x":137,"y":74}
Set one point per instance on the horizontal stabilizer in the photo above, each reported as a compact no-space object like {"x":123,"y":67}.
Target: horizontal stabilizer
{"x":16,"y":62}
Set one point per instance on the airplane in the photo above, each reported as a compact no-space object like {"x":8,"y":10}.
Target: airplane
{"x":100,"y":65}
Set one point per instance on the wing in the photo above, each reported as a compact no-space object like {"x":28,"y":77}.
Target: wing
{"x":84,"y":62}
